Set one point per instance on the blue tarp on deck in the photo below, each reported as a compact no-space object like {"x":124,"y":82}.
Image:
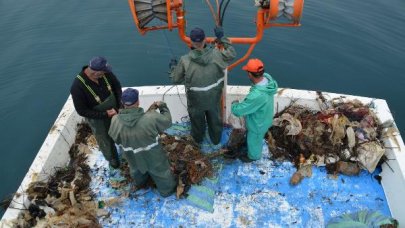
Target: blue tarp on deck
{"x":246,"y":195}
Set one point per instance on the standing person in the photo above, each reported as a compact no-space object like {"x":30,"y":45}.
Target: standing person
{"x":257,"y":108}
{"x":136,"y":132}
{"x":96,"y":94}
{"x":202,"y":72}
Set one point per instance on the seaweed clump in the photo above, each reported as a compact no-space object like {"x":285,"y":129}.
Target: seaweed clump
{"x":189,"y":165}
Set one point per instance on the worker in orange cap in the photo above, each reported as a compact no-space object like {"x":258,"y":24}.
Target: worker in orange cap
{"x":257,"y":108}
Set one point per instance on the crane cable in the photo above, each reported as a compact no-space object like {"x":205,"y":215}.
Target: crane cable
{"x":168,"y":44}
{"x":216,"y":18}
{"x":172,"y":56}
{"x":219,"y":16}
{"x":223,"y":12}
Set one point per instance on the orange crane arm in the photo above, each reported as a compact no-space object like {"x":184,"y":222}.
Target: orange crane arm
{"x":264,"y":18}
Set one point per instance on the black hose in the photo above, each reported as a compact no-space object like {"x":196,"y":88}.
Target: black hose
{"x":223,"y":12}
{"x":220,"y":10}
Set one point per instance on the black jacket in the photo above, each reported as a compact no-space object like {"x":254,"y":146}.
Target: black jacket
{"x":84,"y":101}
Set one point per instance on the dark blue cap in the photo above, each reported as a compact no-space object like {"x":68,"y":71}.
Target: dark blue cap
{"x":100,"y":63}
{"x":129,"y":96}
{"x":197,"y":35}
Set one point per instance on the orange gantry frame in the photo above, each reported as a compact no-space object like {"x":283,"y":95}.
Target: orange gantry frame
{"x":266,"y":17}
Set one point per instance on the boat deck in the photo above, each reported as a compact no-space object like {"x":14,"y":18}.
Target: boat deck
{"x":244,"y":194}
{"x":251,"y":195}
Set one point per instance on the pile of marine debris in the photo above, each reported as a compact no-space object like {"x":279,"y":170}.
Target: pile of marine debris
{"x":65,"y":199}
{"x":344,"y":136}
{"x":189,"y":165}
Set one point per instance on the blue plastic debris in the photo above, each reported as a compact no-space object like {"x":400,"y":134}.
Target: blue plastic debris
{"x":361,"y":219}
{"x":203,"y":195}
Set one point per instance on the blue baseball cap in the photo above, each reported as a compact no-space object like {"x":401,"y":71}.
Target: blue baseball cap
{"x":129,"y":96}
{"x":100,"y":63}
{"x":197,"y":35}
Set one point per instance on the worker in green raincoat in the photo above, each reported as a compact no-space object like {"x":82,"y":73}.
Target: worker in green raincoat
{"x":202,"y":71}
{"x":137,"y":132}
{"x":257,"y":108}
{"x":96,"y":94}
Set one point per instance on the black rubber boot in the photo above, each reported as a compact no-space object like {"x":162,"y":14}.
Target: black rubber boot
{"x":115,"y":163}
{"x":232,"y":154}
{"x":245,"y":159}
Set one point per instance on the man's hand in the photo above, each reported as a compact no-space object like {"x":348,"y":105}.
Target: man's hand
{"x":158,"y":103}
{"x":219,"y":32}
{"x":111,"y":112}
{"x":173,"y":63}
{"x":153,"y":107}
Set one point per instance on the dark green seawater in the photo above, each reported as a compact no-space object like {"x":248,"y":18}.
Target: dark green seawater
{"x":345,"y":46}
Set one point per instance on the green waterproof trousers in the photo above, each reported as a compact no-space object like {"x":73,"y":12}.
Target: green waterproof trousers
{"x":160,"y":173}
{"x":214,"y":122}
{"x":100,"y":130}
{"x":255,"y":145}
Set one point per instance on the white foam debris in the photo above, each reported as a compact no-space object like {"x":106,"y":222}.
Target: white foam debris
{"x":246,"y":211}
{"x":316,"y":218}
{"x":291,"y":215}
{"x":272,"y":225}
{"x":335,"y":213}
{"x":222,"y":214}
{"x":186,"y":214}
{"x":284,"y":206}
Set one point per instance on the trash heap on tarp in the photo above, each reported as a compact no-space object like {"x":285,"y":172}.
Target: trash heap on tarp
{"x":65,"y":199}
{"x":253,"y":194}
{"x":187,"y":162}
{"x":244,"y":194}
{"x":344,"y":136}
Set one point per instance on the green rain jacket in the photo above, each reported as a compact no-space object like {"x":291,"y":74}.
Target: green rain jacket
{"x":204,"y":70}
{"x":258,"y":106}
{"x":135,"y":130}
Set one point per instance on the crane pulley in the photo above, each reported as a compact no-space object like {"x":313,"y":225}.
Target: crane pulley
{"x":270,"y":13}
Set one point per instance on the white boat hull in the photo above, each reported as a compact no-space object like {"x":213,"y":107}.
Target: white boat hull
{"x":54,"y":151}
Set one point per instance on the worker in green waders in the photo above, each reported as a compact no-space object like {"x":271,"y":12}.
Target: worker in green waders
{"x":96,"y":94}
{"x":257,"y":108}
{"x":202,"y":72}
{"x":136,"y":133}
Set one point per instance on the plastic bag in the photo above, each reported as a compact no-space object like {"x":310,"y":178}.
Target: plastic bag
{"x":369,"y":154}
{"x":236,"y":122}
{"x":237,"y":139}
{"x":293,"y":128}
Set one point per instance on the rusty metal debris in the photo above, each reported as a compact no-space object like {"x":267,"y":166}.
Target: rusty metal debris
{"x":187,"y":162}
{"x":343,"y":136}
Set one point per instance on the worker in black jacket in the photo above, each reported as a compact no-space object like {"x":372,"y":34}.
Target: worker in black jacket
{"x":96,"y":94}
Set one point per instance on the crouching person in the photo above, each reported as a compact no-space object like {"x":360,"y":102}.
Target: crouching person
{"x":136,"y":133}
